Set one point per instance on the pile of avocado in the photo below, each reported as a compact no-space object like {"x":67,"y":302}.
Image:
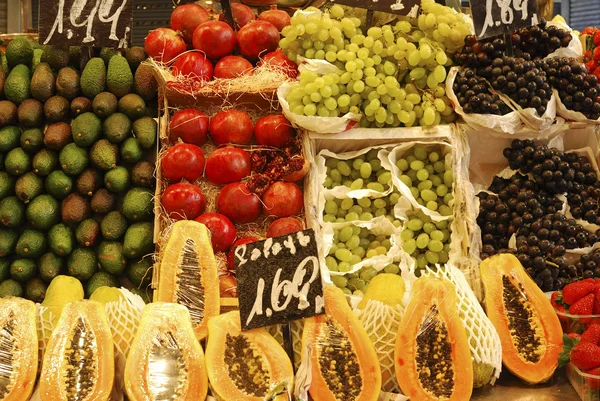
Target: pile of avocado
{"x":77,"y":137}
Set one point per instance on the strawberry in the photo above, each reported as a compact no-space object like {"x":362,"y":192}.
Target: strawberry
{"x":573,"y":336}
{"x":575,"y":291}
{"x":553,"y":297}
{"x":592,"y":64}
{"x":597,"y":38}
{"x":585,"y":356}
{"x":593,"y":382}
{"x":592,"y":334}
{"x":597,"y":70}
{"x":590,"y":30}
{"x":588,"y":55}
{"x":585,"y":306}
{"x":596,"y":310}
{"x":597,"y":53}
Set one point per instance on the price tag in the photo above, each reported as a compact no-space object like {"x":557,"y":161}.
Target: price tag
{"x":497,"y":17}
{"x":401,"y":7}
{"x":99,"y":23}
{"x":279,"y":280}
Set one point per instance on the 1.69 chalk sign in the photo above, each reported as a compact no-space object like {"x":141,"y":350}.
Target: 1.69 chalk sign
{"x":497,"y":17}
{"x":279,"y":280}
{"x":100,"y":23}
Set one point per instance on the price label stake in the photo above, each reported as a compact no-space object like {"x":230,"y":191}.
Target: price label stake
{"x":497,"y":17}
{"x":98,"y":23}
{"x":279,"y":280}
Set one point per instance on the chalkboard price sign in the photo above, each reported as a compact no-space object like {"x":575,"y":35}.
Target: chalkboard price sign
{"x":401,"y":7}
{"x":279,"y":280}
{"x":497,"y":17}
{"x":99,"y":23}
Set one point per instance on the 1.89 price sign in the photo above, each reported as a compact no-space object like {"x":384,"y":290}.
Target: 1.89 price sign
{"x":497,"y":17}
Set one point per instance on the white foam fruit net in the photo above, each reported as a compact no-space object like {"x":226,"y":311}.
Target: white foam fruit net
{"x":124,"y":317}
{"x":297,"y":329}
{"x":483,"y":338}
{"x":46,"y":320}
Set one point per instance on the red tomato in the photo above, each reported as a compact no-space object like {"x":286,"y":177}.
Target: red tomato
{"x":284,"y":226}
{"x":186,"y":17}
{"x":215,"y":38}
{"x":282,"y":199}
{"x":231,"y":255}
{"x":280,"y":60}
{"x":242,"y":14}
{"x":193,"y":65}
{"x":232,"y":67}
{"x":227,"y":165}
{"x":259,"y":37}
{"x":183,"y":201}
{"x":189,"y":125}
{"x":231,"y":126}
{"x":183,"y":160}
{"x":238,"y":203}
{"x":279,"y":18}
{"x":221,"y":228}
{"x":299,"y":174}
{"x":164,"y":44}
{"x":273,"y":130}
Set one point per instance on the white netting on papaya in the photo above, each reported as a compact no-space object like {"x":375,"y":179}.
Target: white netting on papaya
{"x":297,"y":328}
{"x":46,"y":321}
{"x":483,"y":338}
{"x":124,"y":316}
{"x":381,"y":322}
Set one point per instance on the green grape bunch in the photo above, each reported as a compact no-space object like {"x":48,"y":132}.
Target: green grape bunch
{"x":358,"y":282}
{"x":362,"y":172}
{"x":361,"y":209}
{"x":352,"y":245}
{"x":426,"y":241}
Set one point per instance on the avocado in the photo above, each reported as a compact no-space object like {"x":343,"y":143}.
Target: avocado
{"x":32,"y":244}
{"x":117,"y":127}
{"x":7,"y":185}
{"x":22,"y":270}
{"x":19,"y":51}
{"x":12,"y":212}
{"x":57,"y":136}
{"x":87,"y":233}
{"x":110,"y":256}
{"x":56,"y":56}
{"x":58,"y":184}
{"x":104,"y":154}
{"x":135,"y":56}
{"x":80,"y":105}
{"x":57,"y":108}
{"x":28,"y":186}
{"x":73,"y":159}
{"x":17,"y":85}
{"x":9,"y":138}
{"x":138,"y":240}
{"x":32,"y":139}
{"x":140,"y":272}
{"x":93,"y":78}
{"x":117,"y":179}
{"x":49,"y":266}
{"x":8,"y":241}
{"x":17,"y":162}
{"x":86,"y":129}
{"x":113,"y":226}
{"x":119,"y":79}
{"x":67,"y":83}
{"x":138,"y":204}
{"x":131,"y":151}
{"x":100,"y":279}
{"x":142,"y":174}
{"x":145,"y":84}
{"x":145,"y":130}
{"x":35,"y":290}
{"x":3,"y":62}
{"x":10,"y":288}
{"x":89,"y":182}
{"x":105,"y":104}
{"x":43,"y":212}
{"x":82,"y":264}
{"x":75,"y":208}
{"x":37,"y":58}
{"x":133,"y":106}
{"x":106,"y":53}
{"x":4,"y":268}
{"x":8,"y":113}
{"x":43,"y":84}
{"x":61,"y":239}
{"x":44,"y":162}
{"x":103,"y":201}
{"x":30,"y":113}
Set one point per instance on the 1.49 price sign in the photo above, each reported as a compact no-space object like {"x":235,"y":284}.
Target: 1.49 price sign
{"x":279,"y":280}
{"x":497,"y":17}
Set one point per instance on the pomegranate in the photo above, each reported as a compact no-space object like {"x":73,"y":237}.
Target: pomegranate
{"x":164,"y":44}
{"x":238,"y":203}
{"x":242,"y":14}
{"x":186,"y":17}
{"x":215,"y":38}
{"x":257,"y":38}
{"x":284,"y":226}
{"x":227,"y":165}
{"x":282,"y":199}
{"x":189,"y":125}
{"x":273,"y":130}
{"x":194,"y":65}
{"x":231,"y":126}
{"x":300,"y":174}
{"x":228,"y":286}
{"x":183,"y":201}
{"x":232,"y":67}
{"x":231,"y":254}
{"x":183,"y":160}
{"x":221,"y":228}
{"x":279,"y":60}
{"x":279,"y":18}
